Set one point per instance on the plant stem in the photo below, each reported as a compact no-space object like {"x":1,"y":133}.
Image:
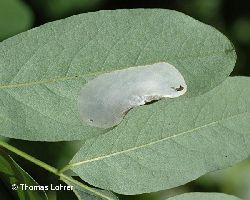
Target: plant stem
{"x":29,"y":157}
{"x":52,"y":169}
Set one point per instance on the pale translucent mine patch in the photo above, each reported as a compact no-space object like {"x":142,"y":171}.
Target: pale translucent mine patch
{"x":106,"y":99}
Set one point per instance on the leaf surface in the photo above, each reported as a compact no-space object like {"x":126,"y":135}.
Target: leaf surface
{"x":170,"y":144}
{"x":204,"y":196}
{"x":43,"y":70}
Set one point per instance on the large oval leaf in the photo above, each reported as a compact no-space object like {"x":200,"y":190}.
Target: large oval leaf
{"x":170,"y":144}
{"x":204,"y":196}
{"x":42,"y":70}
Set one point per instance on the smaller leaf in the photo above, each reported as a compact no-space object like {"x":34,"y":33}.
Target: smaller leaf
{"x":14,"y":176}
{"x":203,"y":196}
{"x":171,"y":142}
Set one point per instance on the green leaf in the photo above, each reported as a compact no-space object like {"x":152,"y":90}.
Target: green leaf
{"x":83,"y":194}
{"x":43,"y":70}
{"x":14,"y":176}
{"x":170,"y":144}
{"x":15,"y":17}
{"x":204,"y":196}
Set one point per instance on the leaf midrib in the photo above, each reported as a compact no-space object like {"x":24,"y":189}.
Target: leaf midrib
{"x":71,"y":165}
{"x":77,"y":77}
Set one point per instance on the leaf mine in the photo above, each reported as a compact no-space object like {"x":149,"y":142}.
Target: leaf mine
{"x":105,"y":100}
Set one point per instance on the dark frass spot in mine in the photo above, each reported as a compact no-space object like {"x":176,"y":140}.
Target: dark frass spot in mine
{"x":91,"y":120}
{"x":126,"y":112}
{"x":179,"y":88}
{"x":151,"y":102}
{"x":152,"y":99}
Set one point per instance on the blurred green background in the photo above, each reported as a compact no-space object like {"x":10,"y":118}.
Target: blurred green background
{"x":228,"y":16}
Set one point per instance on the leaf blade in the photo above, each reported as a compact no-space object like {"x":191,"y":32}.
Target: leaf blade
{"x":43,"y":69}
{"x":161,"y":149}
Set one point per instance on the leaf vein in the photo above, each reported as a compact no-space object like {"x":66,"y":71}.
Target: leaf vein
{"x":152,"y":143}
